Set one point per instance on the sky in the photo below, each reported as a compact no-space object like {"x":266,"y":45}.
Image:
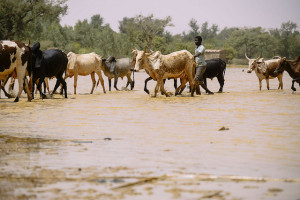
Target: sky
{"x":225,"y":13}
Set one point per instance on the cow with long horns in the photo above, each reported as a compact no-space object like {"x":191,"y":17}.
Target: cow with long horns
{"x":264,"y":69}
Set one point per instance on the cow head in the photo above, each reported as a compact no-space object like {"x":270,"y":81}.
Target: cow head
{"x":37,"y":55}
{"x":139,"y":59}
{"x":281,"y":66}
{"x":252,"y":63}
{"x":109,"y":63}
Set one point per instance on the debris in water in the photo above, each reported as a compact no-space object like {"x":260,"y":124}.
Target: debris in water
{"x":223,"y":128}
{"x":107,"y":138}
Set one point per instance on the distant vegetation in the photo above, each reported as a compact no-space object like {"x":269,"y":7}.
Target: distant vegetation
{"x":32,"y":20}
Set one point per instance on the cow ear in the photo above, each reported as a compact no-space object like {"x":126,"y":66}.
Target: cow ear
{"x":36,"y":46}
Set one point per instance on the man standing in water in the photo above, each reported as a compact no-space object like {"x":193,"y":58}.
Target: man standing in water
{"x":200,"y":64}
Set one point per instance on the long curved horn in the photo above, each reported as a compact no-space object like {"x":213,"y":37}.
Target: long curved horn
{"x":257,"y":58}
{"x":247,"y":56}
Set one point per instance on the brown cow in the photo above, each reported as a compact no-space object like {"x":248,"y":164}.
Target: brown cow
{"x":292,"y":67}
{"x":179,"y":64}
{"x":15,"y":57}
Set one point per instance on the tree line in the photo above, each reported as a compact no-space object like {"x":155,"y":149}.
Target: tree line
{"x":39,"y":20}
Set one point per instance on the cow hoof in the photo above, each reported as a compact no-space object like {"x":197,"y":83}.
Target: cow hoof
{"x":10,"y":96}
{"x":169,"y":94}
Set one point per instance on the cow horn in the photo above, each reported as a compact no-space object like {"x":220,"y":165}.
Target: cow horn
{"x":257,"y":58}
{"x":247,"y":56}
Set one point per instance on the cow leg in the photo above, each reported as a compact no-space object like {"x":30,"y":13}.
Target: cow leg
{"x":101,"y":80}
{"x":129,"y":81}
{"x":164,"y":84}
{"x":11,"y":84}
{"x":93,"y":81}
{"x":32,"y":87}
{"x":39,"y":87}
{"x":259,"y":80}
{"x":220,"y":78}
{"x":181,"y":87}
{"x":160,"y":83}
{"x":109,"y":84}
{"x":61,"y":86}
{"x":27,"y":89}
{"x":64,"y":86}
{"x":293,"y":82}
{"x":146,"y":81}
{"x":175,"y":83}
{"x":197,"y":88}
{"x":21,"y":75}
{"x":36,"y":82}
{"x":163,"y":89}
{"x":59,"y":81}
{"x":268,"y":86}
{"x":116,"y":82}
{"x":279,"y":77}
{"x":75,"y":82}
{"x":190,"y":75}
{"x":2,"y":86}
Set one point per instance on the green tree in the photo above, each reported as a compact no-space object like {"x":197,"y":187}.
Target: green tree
{"x":142,"y":30}
{"x":19,"y":17}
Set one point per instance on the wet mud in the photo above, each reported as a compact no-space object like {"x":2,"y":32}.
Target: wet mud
{"x":239,"y":144}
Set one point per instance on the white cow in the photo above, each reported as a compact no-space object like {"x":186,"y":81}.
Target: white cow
{"x":264,"y":70}
{"x":84,"y":64}
{"x":179,"y":64}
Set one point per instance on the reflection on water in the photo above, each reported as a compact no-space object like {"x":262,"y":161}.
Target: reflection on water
{"x":93,"y":144}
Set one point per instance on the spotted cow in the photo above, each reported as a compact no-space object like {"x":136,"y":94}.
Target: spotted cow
{"x":15,"y":58}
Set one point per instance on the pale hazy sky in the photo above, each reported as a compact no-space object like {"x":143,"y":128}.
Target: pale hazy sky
{"x":224,"y":13}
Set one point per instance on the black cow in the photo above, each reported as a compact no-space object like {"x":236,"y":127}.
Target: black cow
{"x":48,"y":63}
{"x":215,"y":68}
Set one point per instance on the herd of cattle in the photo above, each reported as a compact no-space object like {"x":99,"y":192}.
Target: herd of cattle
{"x":18,"y":60}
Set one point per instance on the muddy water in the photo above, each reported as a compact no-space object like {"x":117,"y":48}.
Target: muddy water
{"x":128,"y":145}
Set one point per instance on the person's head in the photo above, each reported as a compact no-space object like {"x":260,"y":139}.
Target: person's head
{"x":198,"y":40}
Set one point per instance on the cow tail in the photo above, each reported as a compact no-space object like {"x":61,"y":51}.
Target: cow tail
{"x":133,"y":82}
{"x":224,"y":63}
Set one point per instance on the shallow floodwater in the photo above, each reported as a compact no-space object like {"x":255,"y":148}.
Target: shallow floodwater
{"x":239,"y":144}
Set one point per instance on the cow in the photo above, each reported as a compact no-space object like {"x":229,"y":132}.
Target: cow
{"x":179,"y":64}
{"x":215,"y":68}
{"x":85,"y":64}
{"x":49,"y":63}
{"x":150,"y":78}
{"x":115,"y":68}
{"x":265,"y":70}
{"x":15,"y":57}
{"x":292,"y":67}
